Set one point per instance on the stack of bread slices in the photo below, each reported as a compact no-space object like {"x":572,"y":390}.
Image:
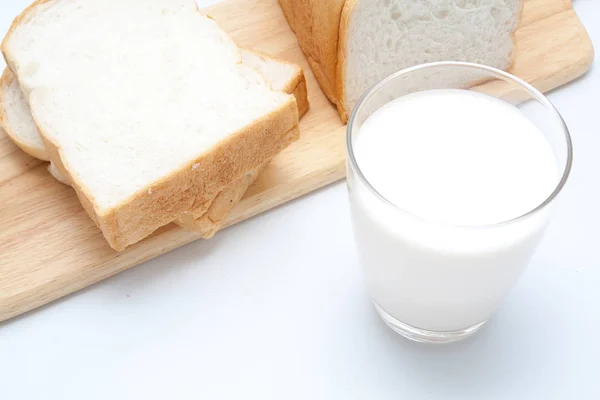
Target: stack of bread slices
{"x":353,"y":44}
{"x":147,"y":109}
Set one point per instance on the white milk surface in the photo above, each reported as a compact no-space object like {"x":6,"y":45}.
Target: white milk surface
{"x":456,"y":165}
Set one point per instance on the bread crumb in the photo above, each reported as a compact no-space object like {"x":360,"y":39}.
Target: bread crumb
{"x":196,"y":166}
{"x":150,"y":191}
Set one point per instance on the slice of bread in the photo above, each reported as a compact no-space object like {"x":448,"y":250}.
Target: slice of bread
{"x":282,"y":75}
{"x":17,"y":122}
{"x":375,"y":38}
{"x":147,"y":120}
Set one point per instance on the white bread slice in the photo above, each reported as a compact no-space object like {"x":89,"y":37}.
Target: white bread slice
{"x":16,"y":119}
{"x":376,"y":38}
{"x":146,"y":119}
{"x":282,"y":75}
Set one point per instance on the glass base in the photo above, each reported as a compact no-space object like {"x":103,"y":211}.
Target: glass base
{"x":423,"y":335}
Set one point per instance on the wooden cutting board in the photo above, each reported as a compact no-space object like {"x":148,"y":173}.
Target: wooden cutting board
{"x":50,"y":248}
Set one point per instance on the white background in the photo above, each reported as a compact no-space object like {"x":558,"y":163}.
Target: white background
{"x":275,"y":308}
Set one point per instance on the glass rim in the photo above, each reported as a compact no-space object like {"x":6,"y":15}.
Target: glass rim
{"x":539,"y":96}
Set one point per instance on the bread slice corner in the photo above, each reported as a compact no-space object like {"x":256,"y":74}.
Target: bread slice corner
{"x":16,"y":119}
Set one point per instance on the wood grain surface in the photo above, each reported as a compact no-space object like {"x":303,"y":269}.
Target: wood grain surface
{"x":50,"y":248}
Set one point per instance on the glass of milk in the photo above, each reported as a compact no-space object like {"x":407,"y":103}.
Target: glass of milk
{"x":453,"y":169}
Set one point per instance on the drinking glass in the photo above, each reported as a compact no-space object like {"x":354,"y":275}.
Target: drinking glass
{"x":434,"y":282}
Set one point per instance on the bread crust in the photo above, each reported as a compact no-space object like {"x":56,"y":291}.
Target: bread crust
{"x":316,"y":24}
{"x":207,"y":220}
{"x":514,"y":37}
{"x":226,"y":201}
{"x":342,"y":58}
{"x":300,"y":92}
{"x":192,"y":186}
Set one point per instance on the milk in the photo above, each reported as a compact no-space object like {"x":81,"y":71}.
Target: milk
{"x":440,"y":253}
